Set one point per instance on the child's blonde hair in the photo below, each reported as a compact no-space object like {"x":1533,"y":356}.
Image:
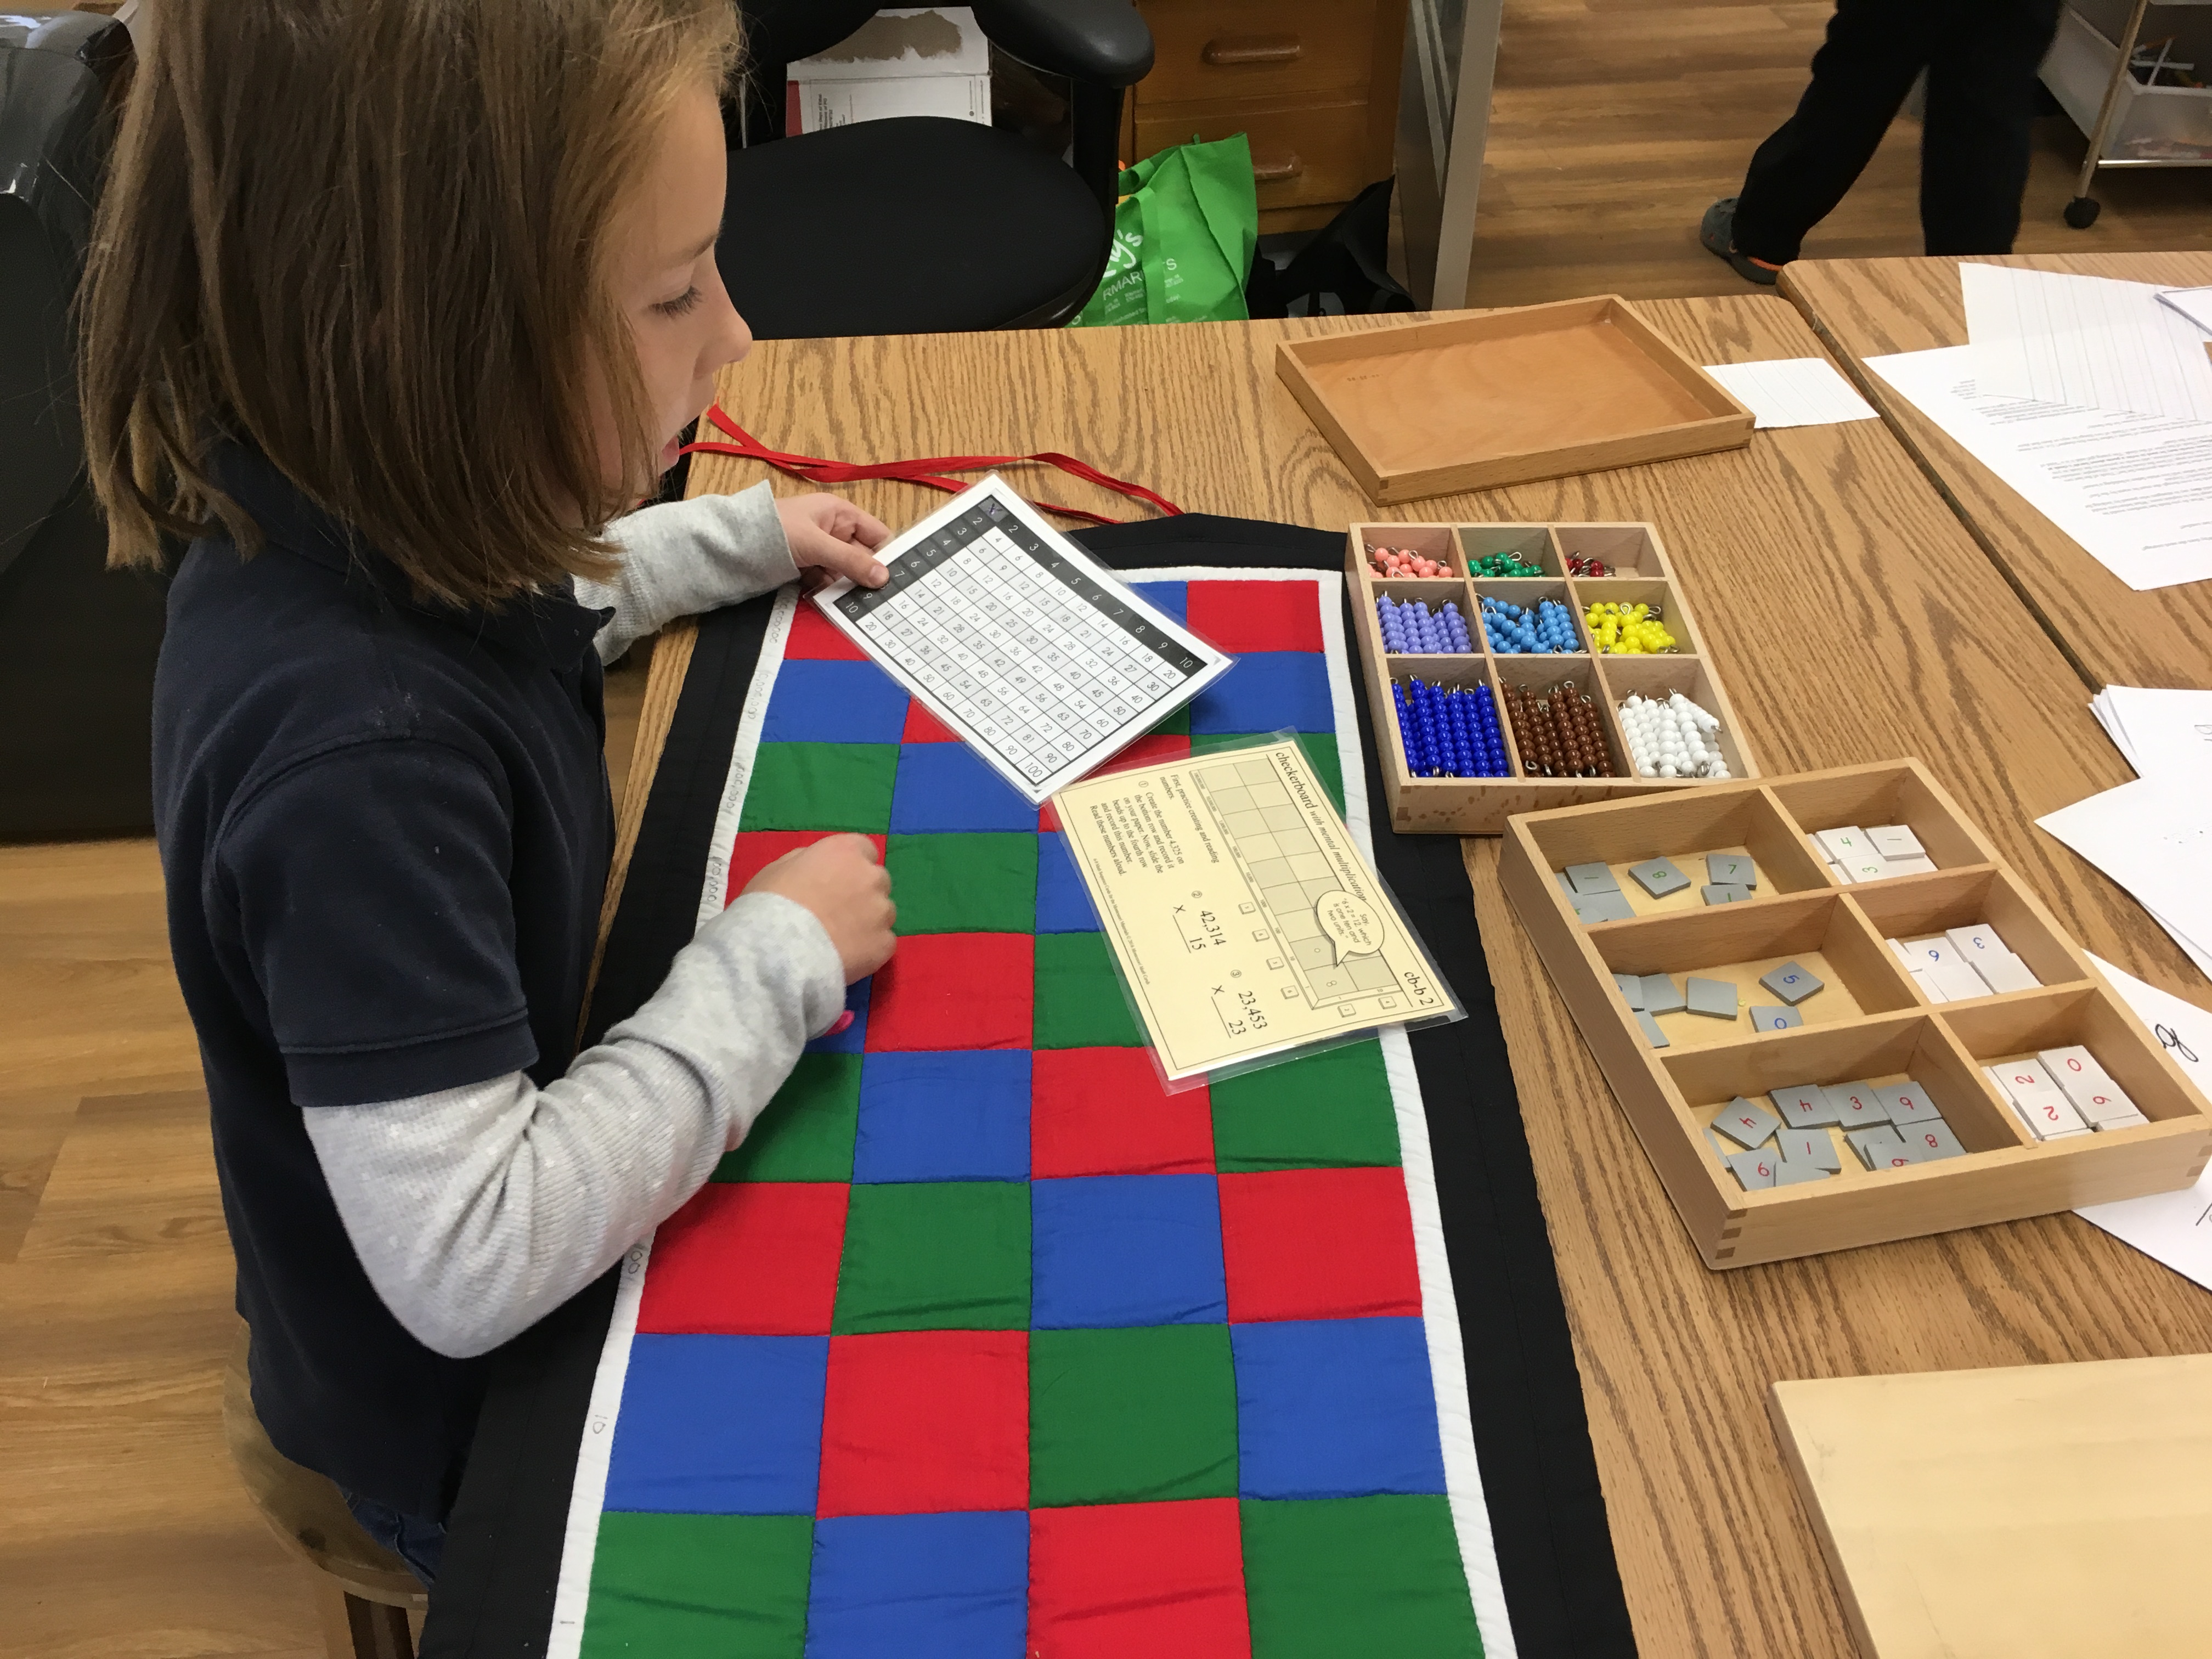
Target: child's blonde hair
{"x":372,"y":238}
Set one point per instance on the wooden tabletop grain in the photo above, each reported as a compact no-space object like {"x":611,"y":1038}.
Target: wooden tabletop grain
{"x":2112,"y":635}
{"x":1854,"y":619}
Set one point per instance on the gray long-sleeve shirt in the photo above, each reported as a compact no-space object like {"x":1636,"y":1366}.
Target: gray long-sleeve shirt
{"x":477,"y":1211}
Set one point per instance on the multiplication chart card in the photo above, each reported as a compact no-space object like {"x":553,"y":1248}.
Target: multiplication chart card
{"x":1021,"y":642}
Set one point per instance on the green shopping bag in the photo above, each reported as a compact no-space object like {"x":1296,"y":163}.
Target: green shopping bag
{"x":1184,"y":237}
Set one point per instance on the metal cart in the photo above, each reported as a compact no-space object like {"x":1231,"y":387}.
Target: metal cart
{"x":2068,"y":72}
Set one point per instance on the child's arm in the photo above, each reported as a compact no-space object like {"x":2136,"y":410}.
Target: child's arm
{"x":478,"y":1211}
{"x":682,"y":558}
{"x":367,"y":893}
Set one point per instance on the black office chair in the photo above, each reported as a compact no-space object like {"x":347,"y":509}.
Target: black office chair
{"x":77,"y":641}
{"x":920,"y":223}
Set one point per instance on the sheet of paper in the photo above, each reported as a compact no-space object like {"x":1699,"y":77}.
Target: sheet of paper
{"x":2088,"y":342}
{"x":2160,"y":733}
{"x":2194,"y":303}
{"x":1016,"y":638}
{"x":2153,"y":837}
{"x":1793,"y":391}
{"x":2135,"y":490}
{"x":2175,"y":1228}
{"x":1244,"y":921}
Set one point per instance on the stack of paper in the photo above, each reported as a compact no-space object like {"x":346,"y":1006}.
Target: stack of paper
{"x":2135,"y":490}
{"x":2086,"y":341}
{"x":2092,"y":399}
{"x":2159,"y":734}
{"x":2153,"y":837}
{"x":2175,"y":1228}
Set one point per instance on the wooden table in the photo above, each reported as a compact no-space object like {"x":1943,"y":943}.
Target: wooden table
{"x":2111,"y":633}
{"x":1793,"y":551}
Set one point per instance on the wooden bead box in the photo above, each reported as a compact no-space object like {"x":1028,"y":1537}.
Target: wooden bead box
{"x":1870,"y":1023}
{"x":1637,"y":572}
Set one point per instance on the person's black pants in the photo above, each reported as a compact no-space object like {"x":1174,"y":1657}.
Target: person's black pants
{"x":1981,"y":57}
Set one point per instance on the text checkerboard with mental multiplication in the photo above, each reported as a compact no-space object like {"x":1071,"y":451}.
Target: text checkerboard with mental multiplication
{"x":1018,"y":641}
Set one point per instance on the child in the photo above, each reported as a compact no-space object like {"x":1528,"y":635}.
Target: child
{"x":395,"y":303}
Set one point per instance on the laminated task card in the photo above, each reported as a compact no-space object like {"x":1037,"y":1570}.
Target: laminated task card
{"x":1243,"y":921}
{"x":1042,"y":661}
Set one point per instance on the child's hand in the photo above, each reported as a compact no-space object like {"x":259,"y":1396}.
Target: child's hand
{"x":829,"y":534}
{"x":849,"y":893}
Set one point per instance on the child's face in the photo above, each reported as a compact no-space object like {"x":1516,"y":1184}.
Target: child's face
{"x":666,"y":281}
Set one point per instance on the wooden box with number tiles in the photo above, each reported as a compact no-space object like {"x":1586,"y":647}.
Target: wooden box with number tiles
{"x":1878,"y":1021}
{"x":1636,"y":571}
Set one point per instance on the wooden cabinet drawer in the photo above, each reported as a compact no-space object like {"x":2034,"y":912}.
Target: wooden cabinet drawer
{"x":1207,"y":48}
{"x":1312,"y":154}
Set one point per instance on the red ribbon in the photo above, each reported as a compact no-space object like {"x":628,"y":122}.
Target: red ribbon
{"x":815,"y":470}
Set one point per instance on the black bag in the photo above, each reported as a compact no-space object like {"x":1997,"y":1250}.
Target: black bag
{"x":1344,"y":271}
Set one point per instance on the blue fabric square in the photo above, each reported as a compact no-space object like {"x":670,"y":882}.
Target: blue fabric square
{"x":1115,"y":1250}
{"x":955,"y":1115}
{"x":720,"y":1425}
{"x":920,"y":1586}
{"x":947,"y":786}
{"x":848,"y":1041}
{"x":834,"y":703}
{"x":1174,"y":598}
{"x":1266,"y":691}
{"x":1063,"y":903}
{"x":1335,"y":1408}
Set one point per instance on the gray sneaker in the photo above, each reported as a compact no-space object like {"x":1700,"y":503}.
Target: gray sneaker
{"x":1717,"y":233}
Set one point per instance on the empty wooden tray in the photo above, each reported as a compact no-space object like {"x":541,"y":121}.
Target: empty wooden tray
{"x":1502,"y":397}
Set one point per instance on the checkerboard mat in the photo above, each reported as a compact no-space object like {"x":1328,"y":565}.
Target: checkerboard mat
{"x":983,"y":1344}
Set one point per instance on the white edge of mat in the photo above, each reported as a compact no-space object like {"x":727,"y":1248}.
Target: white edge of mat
{"x":1447,"y":1357}
{"x":572,"y":1591}
{"x":588,"y":1494}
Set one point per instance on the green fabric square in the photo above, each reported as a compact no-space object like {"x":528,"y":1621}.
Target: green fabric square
{"x":1357,"y":1575}
{"x":1131,"y":1416}
{"x":1079,"y":1002}
{"x":805,"y":1131}
{"x":965,"y":883}
{"x":1332,"y":1108}
{"x":1321,"y":754}
{"x":821,"y":786}
{"x":699,"y":1587}
{"x":935,"y":1255}
{"x":1177,"y":725}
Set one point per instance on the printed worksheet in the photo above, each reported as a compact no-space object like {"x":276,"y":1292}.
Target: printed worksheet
{"x":1018,"y":640}
{"x":1243,"y":920}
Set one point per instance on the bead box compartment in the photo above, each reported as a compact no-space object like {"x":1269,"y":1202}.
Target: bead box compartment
{"x":1888,"y":1032}
{"x":1479,"y":807}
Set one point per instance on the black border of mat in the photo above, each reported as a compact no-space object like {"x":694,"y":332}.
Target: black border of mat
{"x":495,"y":1597}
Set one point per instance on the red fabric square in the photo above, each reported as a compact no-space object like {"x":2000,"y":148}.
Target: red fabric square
{"x":1109,"y":1580}
{"x":918,"y":1422}
{"x":1147,"y":751}
{"x":753,"y":1258}
{"x":813,"y":635}
{"x":922,"y":727}
{"x":1318,"y":1244}
{"x":955,"y":990}
{"x":754,"y":850}
{"x":1102,"y":1111}
{"x":1240,"y":617}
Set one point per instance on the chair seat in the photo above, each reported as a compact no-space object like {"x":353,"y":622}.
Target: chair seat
{"x":914,"y":224}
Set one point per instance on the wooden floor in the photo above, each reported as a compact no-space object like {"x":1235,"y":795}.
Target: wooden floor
{"x":1617,"y":123}
{"x":123,"y":1535}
